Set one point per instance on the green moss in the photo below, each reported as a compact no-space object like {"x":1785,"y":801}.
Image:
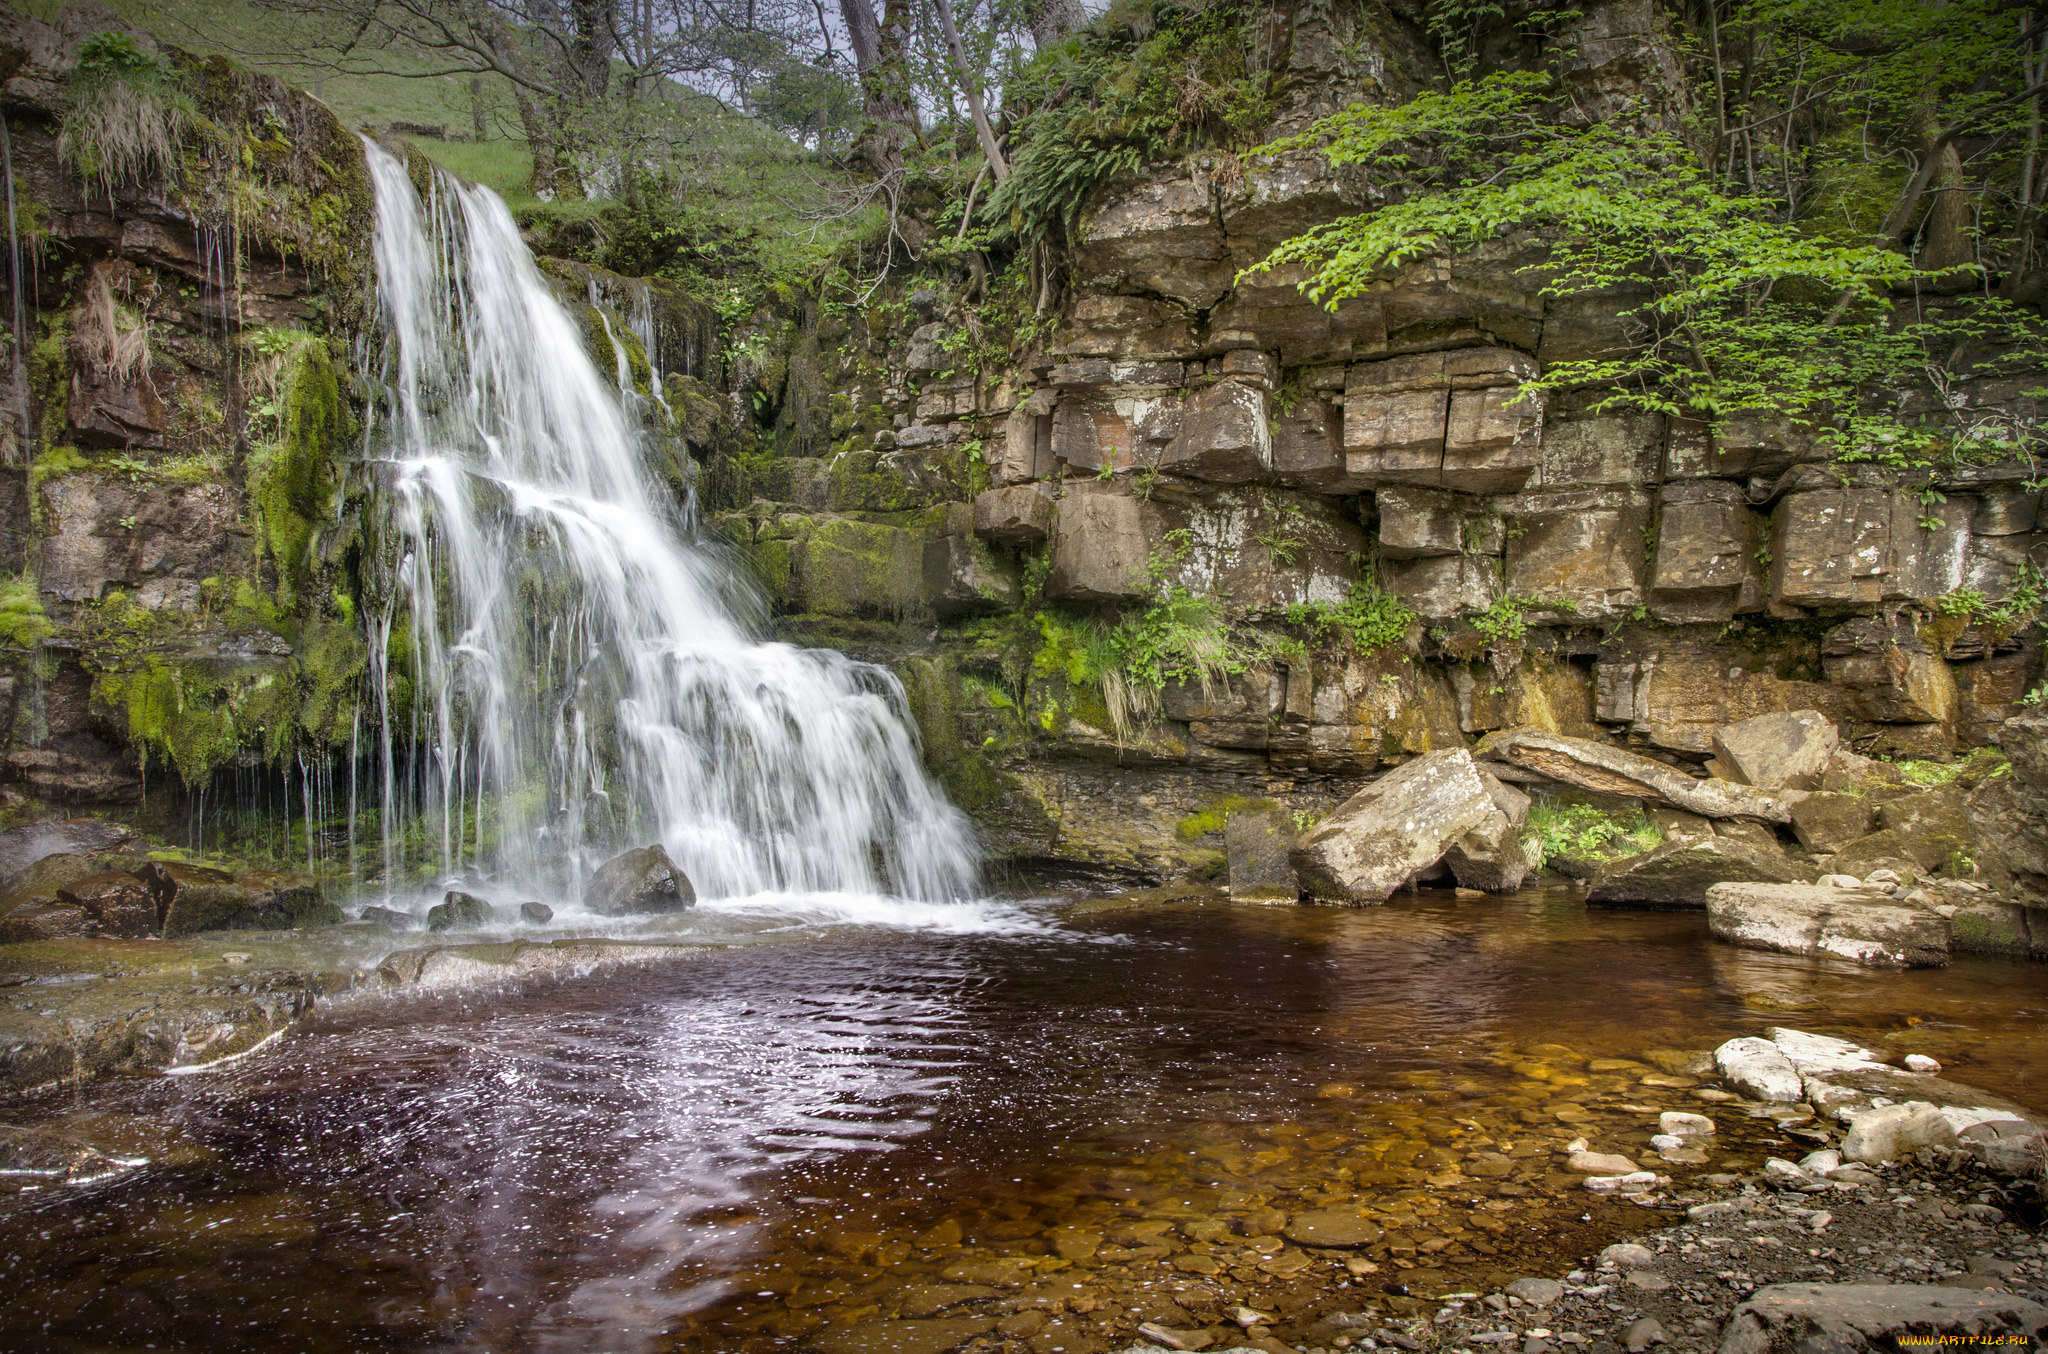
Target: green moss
{"x":22,"y":623}
{"x":292,"y":479}
{"x":1215,"y":815}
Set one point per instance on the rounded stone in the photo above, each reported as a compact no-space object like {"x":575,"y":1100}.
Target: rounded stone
{"x":1333,"y":1228}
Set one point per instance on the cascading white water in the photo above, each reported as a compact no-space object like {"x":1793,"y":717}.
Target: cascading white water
{"x":580,"y":679}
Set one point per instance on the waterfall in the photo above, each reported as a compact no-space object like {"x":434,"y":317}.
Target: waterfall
{"x":581,"y":679}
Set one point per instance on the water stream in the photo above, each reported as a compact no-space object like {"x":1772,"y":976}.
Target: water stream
{"x":772,"y":1145}
{"x":581,"y":679}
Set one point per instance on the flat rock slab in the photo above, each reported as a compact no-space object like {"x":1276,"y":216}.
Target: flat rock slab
{"x":1844,"y":1317}
{"x":1758,"y":1069}
{"x":1679,"y":873}
{"x":1864,"y":926}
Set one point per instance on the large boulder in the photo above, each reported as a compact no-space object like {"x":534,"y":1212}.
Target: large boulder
{"x":1256,"y":845}
{"x":1018,"y":513}
{"x":1225,"y":437}
{"x":1787,"y":750}
{"x":1490,"y":857}
{"x":1678,"y":874}
{"x":39,"y":882}
{"x":1863,"y":925}
{"x":639,"y":881}
{"x":1393,"y":829}
{"x":121,"y":904}
{"x":22,"y":847}
{"x":1843,"y":1318}
{"x":1610,"y":770}
{"x":39,"y":920}
{"x":195,"y":898}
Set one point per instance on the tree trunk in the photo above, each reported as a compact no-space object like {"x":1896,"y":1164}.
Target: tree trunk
{"x":878,"y":53}
{"x":1948,"y":244}
{"x":965,"y":76}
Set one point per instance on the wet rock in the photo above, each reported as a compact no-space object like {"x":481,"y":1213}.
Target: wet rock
{"x":1879,"y":1135}
{"x":458,"y":911}
{"x":1610,"y":770}
{"x":119,"y":903}
{"x":904,"y":1337}
{"x":39,"y":1152}
{"x":389,"y":918}
{"x":51,"y":920}
{"x":1865,"y":926}
{"x":536,"y":914}
{"x":1256,"y":845}
{"x":1019,"y":513}
{"x":964,"y":577}
{"x":1881,"y":852}
{"x":1334,"y":1228}
{"x":1760,"y":1070}
{"x":1396,"y":827}
{"x":1682,"y":1125}
{"x":642,"y":880}
{"x":1787,"y":750}
{"x":1920,"y":1062}
{"x":40,"y":881}
{"x":195,"y":898}
{"x":1599,"y":1163}
{"x":1847,"y":1317}
{"x":1678,"y":874}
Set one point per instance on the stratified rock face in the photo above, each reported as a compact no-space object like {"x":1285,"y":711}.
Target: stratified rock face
{"x":1020,"y":514}
{"x":1849,"y":1317}
{"x":639,"y":881}
{"x":1398,"y":826}
{"x":1865,"y":926}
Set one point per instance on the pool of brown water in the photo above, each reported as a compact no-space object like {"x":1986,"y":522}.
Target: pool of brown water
{"x":1070,"y":1122}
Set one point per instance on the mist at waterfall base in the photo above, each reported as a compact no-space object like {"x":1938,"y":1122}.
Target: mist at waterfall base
{"x":583,"y":674}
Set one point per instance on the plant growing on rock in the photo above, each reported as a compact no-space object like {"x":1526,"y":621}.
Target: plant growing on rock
{"x":126,"y":115}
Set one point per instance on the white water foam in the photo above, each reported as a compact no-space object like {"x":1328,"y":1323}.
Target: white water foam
{"x":581,"y":681}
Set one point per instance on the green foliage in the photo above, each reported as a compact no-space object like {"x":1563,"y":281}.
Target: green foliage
{"x":1142,"y":82}
{"x":22,"y":623}
{"x":1369,"y":618}
{"x":1746,"y":310}
{"x":1507,"y":620}
{"x":298,"y":429}
{"x":126,"y":115}
{"x":1583,"y":832}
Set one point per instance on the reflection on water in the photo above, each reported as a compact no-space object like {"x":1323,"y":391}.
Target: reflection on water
{"x":786,"y":1139}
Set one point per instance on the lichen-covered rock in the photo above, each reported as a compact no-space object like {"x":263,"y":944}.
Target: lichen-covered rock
{"x":1490,"y":857}
{"x":1396,"y":827}
{"x":1864,"y":926}
{"x":643,"y":880}
{"x":1224,"y":436}
{"x":1257,"y":844}
{"x":1445,"y":587}
{"x":1161,"y":237}
{"x":1678,"y":874}
{"x":1706,"y":562}
{"x":963,"y":577}
{"x":1100,"y":551}
{"x":1578,"y":554}
{"x":1610,"y":770}
{"x":1787,"y":750}
{"x":1018,"y":513}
